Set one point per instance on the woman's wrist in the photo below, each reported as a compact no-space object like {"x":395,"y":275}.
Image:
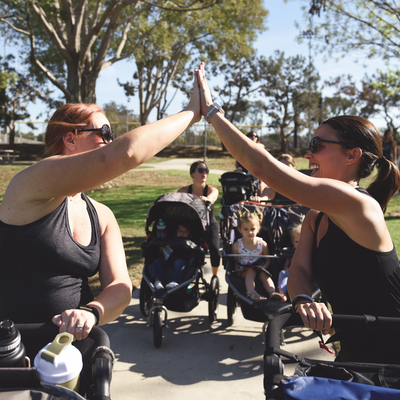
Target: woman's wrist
{"x":303,"y":298}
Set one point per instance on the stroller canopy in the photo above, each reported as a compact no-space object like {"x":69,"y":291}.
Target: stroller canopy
{"x":175,"y":207}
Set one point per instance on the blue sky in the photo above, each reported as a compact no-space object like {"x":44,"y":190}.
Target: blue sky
{"x":280,"y":35}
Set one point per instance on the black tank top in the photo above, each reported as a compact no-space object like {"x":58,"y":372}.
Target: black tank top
{"x":205,"y":194}
{"x":43,"y":269}
{"x":356,"y":280}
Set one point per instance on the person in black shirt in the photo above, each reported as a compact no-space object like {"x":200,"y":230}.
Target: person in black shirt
{"x":345,"y":244}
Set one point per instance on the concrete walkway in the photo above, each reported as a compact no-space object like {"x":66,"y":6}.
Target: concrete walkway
{"x":196,"y":360}
{"x":180,"y":164}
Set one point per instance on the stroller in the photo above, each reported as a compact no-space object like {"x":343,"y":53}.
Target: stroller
{"x":315,"y":379}
{"x":176,"y":208}
{"x":238,"y":186}
{"x":274,"y":230}
{"x":95,"y":378}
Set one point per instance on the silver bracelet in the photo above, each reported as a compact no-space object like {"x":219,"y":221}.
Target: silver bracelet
{"x":214,"y":108}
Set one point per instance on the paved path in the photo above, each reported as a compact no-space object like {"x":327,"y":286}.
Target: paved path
{"x":196,"y":360}
{"x":180,"y":164}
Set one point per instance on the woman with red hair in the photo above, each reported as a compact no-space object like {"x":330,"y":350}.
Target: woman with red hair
{"x":53,"y":237}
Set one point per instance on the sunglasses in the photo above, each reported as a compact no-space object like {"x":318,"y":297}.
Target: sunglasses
{"x":201,"y":170}
{"x":106,"y":133}
{"x":315,"y":144}
{"x":253,"y":136}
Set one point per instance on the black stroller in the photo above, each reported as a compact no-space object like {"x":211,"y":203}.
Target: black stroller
{"x":95,"y":378}
{"x":174,"y":209}
{"x":238,"y":186}
{"x":328,"y":380}
{"x":274,"y":230}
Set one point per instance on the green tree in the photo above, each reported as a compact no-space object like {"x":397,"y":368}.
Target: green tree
{"x":16,"y":93}
{"x":371,"y":26}
{"x":345,"y":100}
{"x":381,"y":96}
{"x":166,"y":58}
{"x":291,"y":89}
{"x":69,"y":42}
{"x":242,"y":81}
{"x":121,"y":117}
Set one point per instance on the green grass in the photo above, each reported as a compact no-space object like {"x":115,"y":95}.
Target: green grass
{"x":131,"y":195}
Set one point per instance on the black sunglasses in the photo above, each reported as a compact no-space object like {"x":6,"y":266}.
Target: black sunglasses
{"x":106,"y":133}
{"x":253,"y":136}
{"x":201,"y":170}
{"x":315,"y":144}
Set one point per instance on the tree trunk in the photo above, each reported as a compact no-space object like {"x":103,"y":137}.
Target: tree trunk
{"x":284,"y":144}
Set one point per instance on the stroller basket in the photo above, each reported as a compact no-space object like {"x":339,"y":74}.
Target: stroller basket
{"x":343,"y":379}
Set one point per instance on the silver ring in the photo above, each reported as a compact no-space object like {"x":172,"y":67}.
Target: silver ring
{"x":79,"y":326}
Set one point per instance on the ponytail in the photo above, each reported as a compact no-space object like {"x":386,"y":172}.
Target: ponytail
{"x":386,"y":183}
{"x":246,"y":215}
{"x":359,"y":132}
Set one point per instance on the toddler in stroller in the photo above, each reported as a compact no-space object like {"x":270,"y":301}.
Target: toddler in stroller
{"x":250,"y":266}
{"x":179,"y":256}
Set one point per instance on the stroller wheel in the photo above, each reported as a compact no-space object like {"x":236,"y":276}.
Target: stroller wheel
{"x":213,"y":299}
{"x":145,"y":298}
{"x":157,"y":327}
{"x":231,"y":306}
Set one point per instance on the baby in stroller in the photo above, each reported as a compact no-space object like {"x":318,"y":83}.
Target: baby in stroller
{"x":294,"y":232}
{"x":251,"y":266}
{"x":180,"y":257}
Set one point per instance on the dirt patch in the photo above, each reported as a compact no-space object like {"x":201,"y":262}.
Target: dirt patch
{"x":193,"y":152}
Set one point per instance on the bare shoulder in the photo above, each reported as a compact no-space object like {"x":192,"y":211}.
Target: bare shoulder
{"x":106,"y":216}
{"x":212,"y":189}
{"x":235,"y":248}
{"x":184,"y":189}
{"x":309,"y":219}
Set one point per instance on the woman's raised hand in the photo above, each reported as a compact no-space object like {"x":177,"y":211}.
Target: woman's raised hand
{"x":205,"y":94}
{"x":194,"y":103}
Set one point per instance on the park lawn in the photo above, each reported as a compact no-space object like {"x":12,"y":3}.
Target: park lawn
{"x":130,"y":195}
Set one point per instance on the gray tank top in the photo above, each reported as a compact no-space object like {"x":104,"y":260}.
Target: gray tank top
{"x":43,"y":269}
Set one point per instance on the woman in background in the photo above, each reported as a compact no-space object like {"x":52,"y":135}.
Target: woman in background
{"x":209,"y":194}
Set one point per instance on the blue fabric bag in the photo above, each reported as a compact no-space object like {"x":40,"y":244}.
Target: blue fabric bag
{"x":314,"y":388}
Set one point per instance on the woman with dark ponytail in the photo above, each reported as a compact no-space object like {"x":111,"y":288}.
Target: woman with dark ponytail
{"x":345,"y":245}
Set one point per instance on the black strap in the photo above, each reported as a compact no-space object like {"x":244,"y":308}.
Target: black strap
{"x":317,"y":222}
{"x":205,"y":191}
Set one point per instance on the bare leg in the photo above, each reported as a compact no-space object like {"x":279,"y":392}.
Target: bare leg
{"x":269,"y":286}
{"x":250,"y":277}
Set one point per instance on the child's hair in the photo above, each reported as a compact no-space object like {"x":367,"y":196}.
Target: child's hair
{"x":296,"y":228}
{"x":247,"y":216}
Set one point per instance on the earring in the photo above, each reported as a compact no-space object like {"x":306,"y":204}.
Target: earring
{"x":73,"y":148}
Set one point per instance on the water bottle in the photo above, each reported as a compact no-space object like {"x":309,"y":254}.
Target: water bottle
{"x":12,"y":350}
{"x":189,"y":289}
{"x":161,"y":233}
{"x":60,"y":363}
{"x":282,"y":280}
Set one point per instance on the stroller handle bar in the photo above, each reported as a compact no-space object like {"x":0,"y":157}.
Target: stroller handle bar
{"x":339,"y":322}
{"x":241,"y":255}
